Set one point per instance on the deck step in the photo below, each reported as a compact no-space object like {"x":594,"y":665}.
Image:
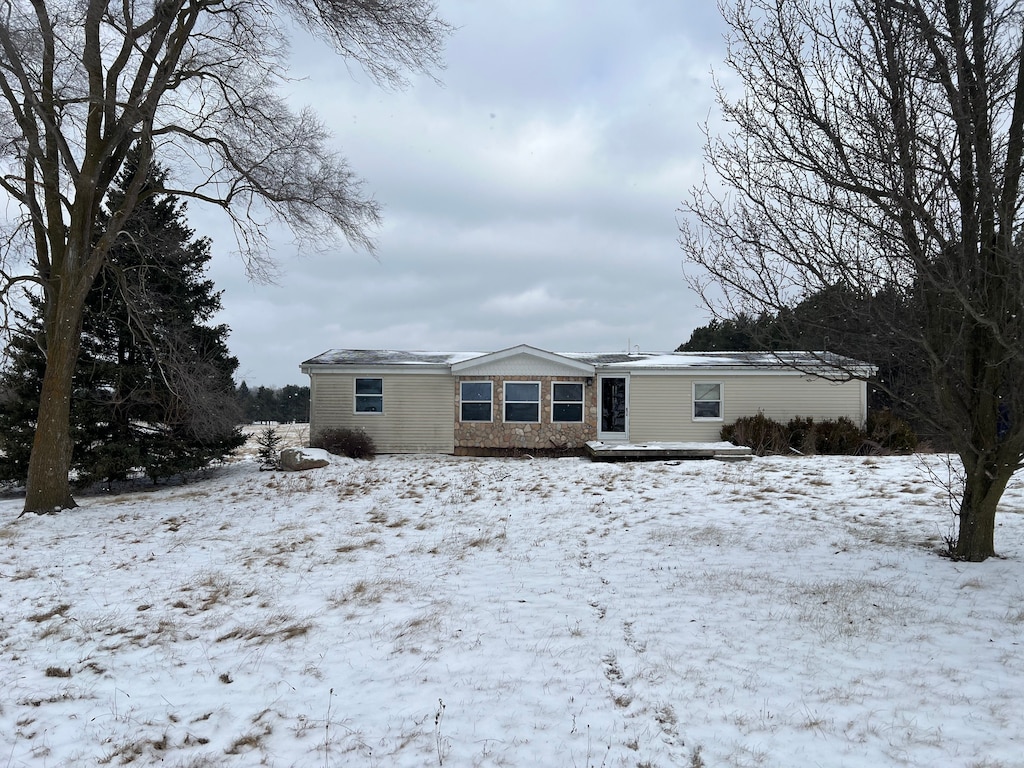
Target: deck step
{"x":649,"y":451}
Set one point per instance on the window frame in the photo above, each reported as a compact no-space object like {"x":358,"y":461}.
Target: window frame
{"x":720,"y":400}
{"x":356,"y":395}
{"x":489,"y":401}
{"x":580,"y":402}
{"x":506,"y":402}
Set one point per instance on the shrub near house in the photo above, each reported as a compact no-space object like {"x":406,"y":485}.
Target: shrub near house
{"x":883,"y":433}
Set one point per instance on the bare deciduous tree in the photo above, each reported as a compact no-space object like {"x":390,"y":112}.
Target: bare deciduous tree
{"x":874,"y":151}
{"x":194,"y":83}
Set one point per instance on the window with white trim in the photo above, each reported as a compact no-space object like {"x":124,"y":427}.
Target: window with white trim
{"x":369,"y":395}
{"x":567,"y":402}
{"x":476,"y":398}
{"x":522,"y":401}
{"x":707,"y":401}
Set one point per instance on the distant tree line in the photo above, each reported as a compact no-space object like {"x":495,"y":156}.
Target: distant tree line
{"x":285,"y":404}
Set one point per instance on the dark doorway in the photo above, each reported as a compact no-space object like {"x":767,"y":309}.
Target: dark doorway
{"x":614,"y":405}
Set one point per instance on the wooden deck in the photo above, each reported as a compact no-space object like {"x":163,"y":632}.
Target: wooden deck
{"x":600,"y":451}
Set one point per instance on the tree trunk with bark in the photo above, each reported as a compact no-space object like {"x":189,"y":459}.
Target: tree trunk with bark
{"x":984,"y":484}
{"x":48,"y":488}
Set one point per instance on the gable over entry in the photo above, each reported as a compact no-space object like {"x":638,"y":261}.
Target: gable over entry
{"x":525,"y":399}
{"x":539,"y":401}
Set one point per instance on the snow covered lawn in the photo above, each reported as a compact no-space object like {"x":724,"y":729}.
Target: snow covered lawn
{"x":421,"y":611}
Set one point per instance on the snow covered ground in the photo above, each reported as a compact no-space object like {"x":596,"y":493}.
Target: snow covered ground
{"x":421,"y":611}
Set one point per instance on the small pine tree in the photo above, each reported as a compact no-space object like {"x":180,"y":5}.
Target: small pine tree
{"x":269,"y":449}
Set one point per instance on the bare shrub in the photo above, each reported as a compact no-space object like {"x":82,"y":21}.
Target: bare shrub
{"x":353,"y":443}
{"x":891,"y":432}
{"x":759,"y":433}
{"x":764,"y":435}
{"x":802,"y":434}
{"x":839,"y":437}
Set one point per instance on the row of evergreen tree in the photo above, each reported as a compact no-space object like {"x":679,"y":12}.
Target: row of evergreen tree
{"x":285,"y":404}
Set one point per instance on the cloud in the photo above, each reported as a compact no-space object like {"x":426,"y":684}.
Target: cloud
{"x":529,"y":198}
{"x":533,"y":301}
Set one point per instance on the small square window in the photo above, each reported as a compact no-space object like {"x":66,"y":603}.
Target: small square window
{"x":522,"y":401}
{"x":476,"y":400}
{"x":707,"y":401}
{"x":567,"y":402}
{"x":369,"y":395}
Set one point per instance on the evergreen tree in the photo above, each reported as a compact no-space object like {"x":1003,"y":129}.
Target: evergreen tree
{"x":245,"y":400}
{"x":269,"y":449}
{"x":290,"y":403}
{"x":265,"y":405}
{"x":738,"y":334}
{"x":153,"y":386}
{"x":294,"y":403}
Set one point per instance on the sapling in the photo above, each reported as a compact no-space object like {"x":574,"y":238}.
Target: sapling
{"x":268,"y":453}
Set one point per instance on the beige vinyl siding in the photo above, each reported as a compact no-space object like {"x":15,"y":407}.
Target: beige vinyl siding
{"x":418,"y":417}
{"x":661,"y":406}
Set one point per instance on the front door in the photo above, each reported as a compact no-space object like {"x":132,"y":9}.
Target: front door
{"x":614,"y":403}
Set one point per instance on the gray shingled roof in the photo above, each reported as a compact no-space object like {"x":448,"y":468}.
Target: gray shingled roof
{"x":365,"y":357}
{"x":809,"y":361}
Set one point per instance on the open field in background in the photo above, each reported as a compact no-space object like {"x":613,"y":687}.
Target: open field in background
{"x":292,"y":435}
{"x":439,"y":611}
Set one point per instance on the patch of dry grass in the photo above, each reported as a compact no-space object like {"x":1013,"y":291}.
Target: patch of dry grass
{"x":365,"y":592}
{"x":281,"y":627}
{"x":57,"y":610}
{"x":356,"y":544}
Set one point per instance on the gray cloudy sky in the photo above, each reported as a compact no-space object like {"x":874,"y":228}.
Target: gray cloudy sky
{"x":530,"y":198}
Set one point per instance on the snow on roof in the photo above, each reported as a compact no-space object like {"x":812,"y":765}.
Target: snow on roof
{"x":365,"y":357}
{"x":809,"y":361}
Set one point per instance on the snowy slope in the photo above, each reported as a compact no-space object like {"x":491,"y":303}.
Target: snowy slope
{"x":418,"y":611}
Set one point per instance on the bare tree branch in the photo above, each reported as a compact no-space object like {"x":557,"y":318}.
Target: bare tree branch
{"x":875,"y":149}
{"x":193,"y":84}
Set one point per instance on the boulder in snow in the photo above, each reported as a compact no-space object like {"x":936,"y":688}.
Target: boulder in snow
{"x":299,"y":459}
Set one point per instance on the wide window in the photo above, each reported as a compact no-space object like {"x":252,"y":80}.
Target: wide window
{"x":476,"y":400}
{"x":522,"y":401}
{"x":567,"y":402}
{"x":369,"y":395}
{"x":707,"y":401}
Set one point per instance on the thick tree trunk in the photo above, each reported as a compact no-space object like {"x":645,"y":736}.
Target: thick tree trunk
{"x":48,"y":488}
{"x":983,"y":487}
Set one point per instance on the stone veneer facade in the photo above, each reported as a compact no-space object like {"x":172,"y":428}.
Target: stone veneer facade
{"x":500,"y":437}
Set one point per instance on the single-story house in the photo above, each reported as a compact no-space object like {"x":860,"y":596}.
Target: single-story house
{"x":528,"y":399}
